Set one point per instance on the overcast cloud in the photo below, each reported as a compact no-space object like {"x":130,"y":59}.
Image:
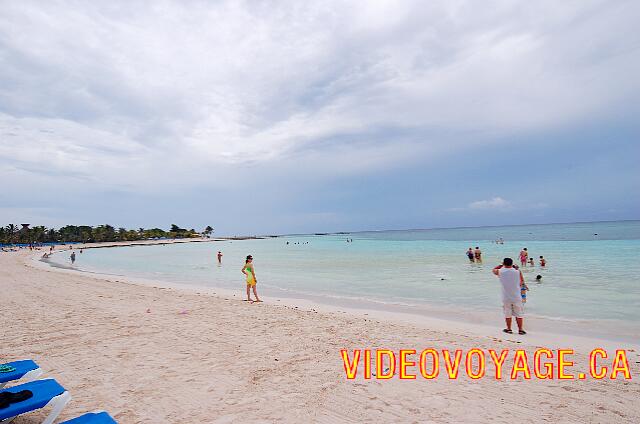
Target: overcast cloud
{"x":260,"y":117}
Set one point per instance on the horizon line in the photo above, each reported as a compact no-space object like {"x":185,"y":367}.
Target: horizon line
{"x":441,"y":228}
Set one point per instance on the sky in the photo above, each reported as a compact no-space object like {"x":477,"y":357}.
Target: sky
{"x":290,"y":117}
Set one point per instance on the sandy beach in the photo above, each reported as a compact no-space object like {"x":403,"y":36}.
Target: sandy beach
{"x":165,"y":355}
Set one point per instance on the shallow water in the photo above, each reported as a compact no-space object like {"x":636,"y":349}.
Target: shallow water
{"x":591,"y":274}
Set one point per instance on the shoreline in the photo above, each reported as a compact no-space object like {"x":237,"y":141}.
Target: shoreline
{"x":481,"y":322}
{"x":153,"y":354}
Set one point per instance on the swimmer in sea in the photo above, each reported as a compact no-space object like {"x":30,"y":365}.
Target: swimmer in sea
{"x":470,"y":255}
{"x":543,"y":261}
{"x":524,"y":255}
{"x":531,"y":262}
{"x":249,"y":271}
{"x":477,"y":254}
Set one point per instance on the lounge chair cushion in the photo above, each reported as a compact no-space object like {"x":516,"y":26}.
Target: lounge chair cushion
{"x":92,"y":418}
{"x":43,"y":392}
{"x":21,"y":368}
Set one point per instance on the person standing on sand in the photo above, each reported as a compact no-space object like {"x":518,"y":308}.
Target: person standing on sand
{"x":524,"y":255}
{"x":512,"y":282}
{"x":73,"y":257}
{"x":249,"y":271}
{"x":477,"y":254}
{"x":219,"y":257}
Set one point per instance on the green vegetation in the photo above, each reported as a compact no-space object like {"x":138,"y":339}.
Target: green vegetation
{"x":83,"y":233}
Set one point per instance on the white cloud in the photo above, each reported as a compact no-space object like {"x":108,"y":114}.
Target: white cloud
{"x":497,"y":203}
{"x":240,"y":82}
{"x":494,"y":203}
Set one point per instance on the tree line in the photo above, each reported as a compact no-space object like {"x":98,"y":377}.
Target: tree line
{"x":12,"y":234}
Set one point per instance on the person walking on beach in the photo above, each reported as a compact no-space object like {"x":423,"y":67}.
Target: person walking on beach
{"x":249,"y":271}
{"x":73,"y":257}
{"x":470,"y":255}
{"x":512,"y":282}
{"x":219,"y":257}
{"x":477,"y":254}
{"x":524,"y":255}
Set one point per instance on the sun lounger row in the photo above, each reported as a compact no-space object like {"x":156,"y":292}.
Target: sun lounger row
{"x":33,"y":394}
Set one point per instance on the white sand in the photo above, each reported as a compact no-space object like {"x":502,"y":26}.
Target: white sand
{"x":230,"y":361}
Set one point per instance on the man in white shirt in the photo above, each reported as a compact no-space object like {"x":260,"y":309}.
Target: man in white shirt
{"x":512,"y":280}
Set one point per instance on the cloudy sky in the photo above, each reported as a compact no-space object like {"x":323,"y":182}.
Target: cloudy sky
{"x":277,"y":117}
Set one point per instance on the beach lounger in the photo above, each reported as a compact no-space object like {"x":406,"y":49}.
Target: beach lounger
{"x":25,"y":370}
{"x":96,"y":417}
{"x":46,"y":392}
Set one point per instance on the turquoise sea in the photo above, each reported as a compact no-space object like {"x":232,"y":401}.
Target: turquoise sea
{"x":591,"y":277}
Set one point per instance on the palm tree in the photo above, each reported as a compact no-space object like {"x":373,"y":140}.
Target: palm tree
{"x":11,"y":231}
{"x":208,"y":231}
{"x":38,"y":233}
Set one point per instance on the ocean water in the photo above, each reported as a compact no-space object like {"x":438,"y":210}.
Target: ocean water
{"x":591,"y":277}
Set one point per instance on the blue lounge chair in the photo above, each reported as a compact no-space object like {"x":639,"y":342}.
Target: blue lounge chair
{"x":96,"y":417}
{"x":45,"y":393}
{"x":26,"y":370}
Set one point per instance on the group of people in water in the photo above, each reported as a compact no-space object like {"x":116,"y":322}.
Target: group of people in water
{"x":73,"y":256}
{"x":475,"y":255}
{"x":526,"y":260}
